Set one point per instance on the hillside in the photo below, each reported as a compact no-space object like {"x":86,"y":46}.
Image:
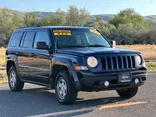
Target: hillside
{"x":105,"y":17}
{"x":42,"y":14}
{"x":150,"y":17}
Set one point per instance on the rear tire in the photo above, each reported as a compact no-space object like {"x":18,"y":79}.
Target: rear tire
{"x":14,"y":81}
{"x":64,"y":89}
{"x":128,"y":93}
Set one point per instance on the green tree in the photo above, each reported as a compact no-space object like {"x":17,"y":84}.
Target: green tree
{"x":127,"y":16}
{"x":127,"y":33}
{"x":9,"y":22}
{"x":44,"y":21}
{"x":76,"y":17}
{"x":151,"y":24}
{"x":30,"y":19}
{"x":146,"y":37}
{"x":102,"y":26}
{"x":57,"y":18}
{"x":6,"y":22}
{"x":17,"y":21}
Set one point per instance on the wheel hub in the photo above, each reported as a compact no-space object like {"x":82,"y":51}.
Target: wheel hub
{"x":61,"y":88}
{"x":12,"y":79}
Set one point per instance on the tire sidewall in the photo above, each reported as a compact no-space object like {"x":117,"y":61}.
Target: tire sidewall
{"x":129,"y":93}
{"x":18,"y":85}
{"x":10,"y":71}
{"x":70,"y":88}
{"x":59,"y":76}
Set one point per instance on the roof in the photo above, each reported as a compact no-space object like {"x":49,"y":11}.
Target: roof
{"x":55,"y":27}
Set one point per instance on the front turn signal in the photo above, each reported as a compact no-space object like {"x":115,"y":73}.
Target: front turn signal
{"x":78,"y":68}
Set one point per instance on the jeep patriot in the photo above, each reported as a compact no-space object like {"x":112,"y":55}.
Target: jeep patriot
{"x":72,"y":59}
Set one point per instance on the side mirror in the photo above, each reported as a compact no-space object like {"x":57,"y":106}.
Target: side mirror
{"x":113,"y":43}
{"x":42,"y":46}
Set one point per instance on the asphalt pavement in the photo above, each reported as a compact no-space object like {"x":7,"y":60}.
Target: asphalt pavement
{"x":37,"y":101}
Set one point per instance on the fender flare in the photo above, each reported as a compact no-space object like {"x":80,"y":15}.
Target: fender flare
{"x":67,"y":62}
{"x":12,"y":58}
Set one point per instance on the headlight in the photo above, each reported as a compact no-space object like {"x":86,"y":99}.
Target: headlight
{"x":138,"y":60}
{"x":92,"y":61}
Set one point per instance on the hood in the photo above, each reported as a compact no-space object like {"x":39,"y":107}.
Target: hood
{"x":95,"y":50}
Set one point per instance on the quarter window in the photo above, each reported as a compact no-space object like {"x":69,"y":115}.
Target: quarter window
{"x":16,"y":38}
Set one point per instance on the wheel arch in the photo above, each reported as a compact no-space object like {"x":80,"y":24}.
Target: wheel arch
{"x":11,"y":60}
{"x":56,"y":69}
{"x":59,"y":64}
{"x":9,"y":64}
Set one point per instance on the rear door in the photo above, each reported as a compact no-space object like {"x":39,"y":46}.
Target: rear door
{"x":24,"y":54}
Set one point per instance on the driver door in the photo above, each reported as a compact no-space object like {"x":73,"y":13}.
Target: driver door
{"x":40,"y":59}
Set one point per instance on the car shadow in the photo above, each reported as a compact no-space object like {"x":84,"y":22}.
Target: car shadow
{"x":40,"y":101}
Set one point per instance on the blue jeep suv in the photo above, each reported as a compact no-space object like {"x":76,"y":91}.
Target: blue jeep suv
{"x":72,"y":59}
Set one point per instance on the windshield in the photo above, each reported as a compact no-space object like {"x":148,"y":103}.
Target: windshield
{"x":66,"y":38}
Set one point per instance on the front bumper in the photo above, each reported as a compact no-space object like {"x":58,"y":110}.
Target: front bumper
{"x":94,"y":82}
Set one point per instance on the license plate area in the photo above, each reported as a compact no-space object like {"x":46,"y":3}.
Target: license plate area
{"x":124,"y":77}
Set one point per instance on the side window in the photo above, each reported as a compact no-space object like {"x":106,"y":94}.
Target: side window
{"x":15,"y":40}
{"x":28,"y":40}
{"x":41,"y":36}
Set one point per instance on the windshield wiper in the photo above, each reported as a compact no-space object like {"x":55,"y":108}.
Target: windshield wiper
{"x":76,"y":46}
{"x":95,"y":45}
{"x":71,"y":46}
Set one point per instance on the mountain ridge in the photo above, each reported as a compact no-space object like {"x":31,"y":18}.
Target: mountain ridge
{"x":105,"y":17}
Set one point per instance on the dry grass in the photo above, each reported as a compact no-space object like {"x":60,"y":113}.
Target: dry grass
{"x":148,"y":51}
{"x":3,"y":76}
{"x":2,"y":56}
{"x":151,"y":66}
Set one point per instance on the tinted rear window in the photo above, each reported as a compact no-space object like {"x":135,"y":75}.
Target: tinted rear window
{"x":28,"y":40}
{"x":15,"y":40}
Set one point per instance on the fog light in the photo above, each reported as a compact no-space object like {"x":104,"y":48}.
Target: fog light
{"x":136,"y":81}
{"x":106,"y":83}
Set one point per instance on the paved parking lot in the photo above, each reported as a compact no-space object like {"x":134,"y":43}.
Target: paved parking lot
{"x":41,"y":102}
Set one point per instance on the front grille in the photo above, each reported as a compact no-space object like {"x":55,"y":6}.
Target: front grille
{"x":118,"y":62}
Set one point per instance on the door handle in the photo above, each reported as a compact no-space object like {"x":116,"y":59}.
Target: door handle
{"x":17,"y":53}
{"x":31,"y":54}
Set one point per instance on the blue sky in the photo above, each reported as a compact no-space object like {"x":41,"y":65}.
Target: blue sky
{"x":144,"y":7}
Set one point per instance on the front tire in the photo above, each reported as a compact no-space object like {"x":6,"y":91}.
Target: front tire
{"x":14,"y":81}
{"x":128,"y":93}
{"x":64,"y":89}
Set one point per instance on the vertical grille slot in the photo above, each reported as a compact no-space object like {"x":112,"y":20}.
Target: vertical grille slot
{"x":103,"y":63}
{"x":124,"y":61}
{"x":120,"y":62}
{"x":109,"y":62}
{"x":129,"y":61}
{"x":133,"y":61}
{"x":114,"y":62}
